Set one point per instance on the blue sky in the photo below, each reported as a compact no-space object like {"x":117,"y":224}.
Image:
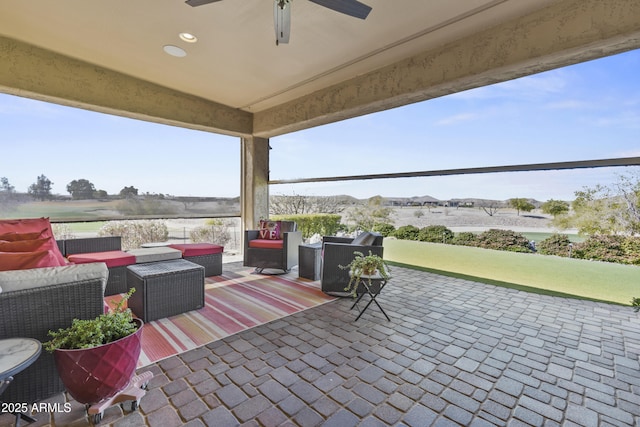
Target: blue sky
{"x":586,"y":111}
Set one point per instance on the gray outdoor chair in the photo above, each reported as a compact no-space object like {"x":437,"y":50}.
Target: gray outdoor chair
{"x":339,"y":251}
{"x":279,"y":254}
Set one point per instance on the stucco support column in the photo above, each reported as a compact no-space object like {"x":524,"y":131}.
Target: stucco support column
{"x":254,"y":196}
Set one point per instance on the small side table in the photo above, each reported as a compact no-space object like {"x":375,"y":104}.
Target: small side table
{"x":377,"y":284}
{"x":17,"y":354}
{"x":310,"y":261}
{"x":165,"y":288}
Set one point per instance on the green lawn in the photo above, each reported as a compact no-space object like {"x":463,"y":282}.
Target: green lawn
{"x":547,"y":274}
{"x":62,"y":210}
{"x":539,"y":236}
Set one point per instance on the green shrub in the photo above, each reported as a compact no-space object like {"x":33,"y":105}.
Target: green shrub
{"x":310,"y":224}
{"x":407,"y":232}
{"x":436,"y":234}
{"x":385,"y":229}
{"x":503,"y":240}
{"x":556,"y":244}
{"x":215,"y":231}
{"x":465,"y":238}
{"x":609,"y":248}
{"x":631,"y":247}
{"x":135,"y":233}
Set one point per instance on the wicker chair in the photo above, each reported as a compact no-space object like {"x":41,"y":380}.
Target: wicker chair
{"x":32,"y":312}
{"x":339,"y":251}
{"x":282,"y":258}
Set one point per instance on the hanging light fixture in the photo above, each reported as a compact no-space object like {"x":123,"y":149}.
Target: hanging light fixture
{"x":282,"y":20}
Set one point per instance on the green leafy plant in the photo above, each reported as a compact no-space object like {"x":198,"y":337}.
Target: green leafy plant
{"x":503,"y":240}
{"x":384,"y":228}
{"x":465,"y":238}
{"x":435,"y":234}
{"x":407,"y":232}
{"x":103,"y":329}
{"x":364,"y":265}
{"x":635,"y":303}
{"x":556,"y":244}
{"x":610,"y":248}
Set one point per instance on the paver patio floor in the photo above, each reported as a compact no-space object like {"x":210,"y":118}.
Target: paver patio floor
{"x":455,"y":352}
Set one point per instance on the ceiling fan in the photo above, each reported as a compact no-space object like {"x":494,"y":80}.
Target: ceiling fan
{"x":282,"y":12}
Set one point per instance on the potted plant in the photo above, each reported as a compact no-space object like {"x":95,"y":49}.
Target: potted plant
{"x":97,"y":358}
{"x":370,"y":267}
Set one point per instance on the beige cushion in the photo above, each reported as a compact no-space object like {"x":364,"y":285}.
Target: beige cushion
{"x":37,"y":277}
{"x":161,"y":253}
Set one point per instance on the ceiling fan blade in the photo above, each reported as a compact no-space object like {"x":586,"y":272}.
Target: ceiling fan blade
{"x":348,"y":7}
{"x":195,"y":3}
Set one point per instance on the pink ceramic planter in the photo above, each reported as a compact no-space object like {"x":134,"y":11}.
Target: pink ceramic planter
{"x":95,"y":374}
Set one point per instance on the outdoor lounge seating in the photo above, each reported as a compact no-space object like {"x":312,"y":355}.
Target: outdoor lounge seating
{"x":37,"y":300}
{"x":339,"y":251}
{"x":102,"y":249}
{"x":273,"y":246}
{"x":205,"y":254}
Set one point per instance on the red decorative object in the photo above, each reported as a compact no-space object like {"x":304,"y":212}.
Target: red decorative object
{"x":92,"y":375}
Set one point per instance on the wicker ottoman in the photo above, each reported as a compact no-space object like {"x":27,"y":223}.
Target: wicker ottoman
{"x":165,"y":288}
{"x":207,"y":255}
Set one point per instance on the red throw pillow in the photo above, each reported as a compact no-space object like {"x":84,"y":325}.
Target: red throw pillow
{"x":14,"y":237}
{"x":29,"y":225}
{"x":26,"y":260}
{"x":23,"y":245}
{"x":269,"y":230}
{"x":33,"y":225}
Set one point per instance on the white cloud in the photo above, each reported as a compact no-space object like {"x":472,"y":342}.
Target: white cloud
{"x":528,"y":87}
{"x":569,"y":104}
{"x":458,"y":118}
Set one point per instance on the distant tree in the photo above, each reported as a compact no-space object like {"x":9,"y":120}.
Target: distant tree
{"x":489,"y":207}
{"x":7,"y":196}
{"x":41,"y":189}
{"x":298,"y":204}
{"x":555,"y":207}
{"x":521,"y":205}
{"x":188,"y":202}
{"x":81,"y":189}
{"x":101,"y":194}
{"x":611,"y":209}
{"x":6,"y":187}
{"x":128,"y":192}
{"x":373,"y":212}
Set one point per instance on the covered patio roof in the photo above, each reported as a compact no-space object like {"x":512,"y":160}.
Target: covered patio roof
{"x":109,"y":57}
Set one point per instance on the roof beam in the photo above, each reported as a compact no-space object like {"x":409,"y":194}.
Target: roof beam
{"x":29,"y":71}
{"x":567,"y":32}
{"x":579,"y":164}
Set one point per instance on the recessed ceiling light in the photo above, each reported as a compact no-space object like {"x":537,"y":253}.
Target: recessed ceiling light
{"x":174,"y":51}
{"x":188,"y":37}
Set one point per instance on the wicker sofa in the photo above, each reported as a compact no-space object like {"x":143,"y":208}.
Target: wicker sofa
{"x":37,"y":300}
{"x":107,"y":249}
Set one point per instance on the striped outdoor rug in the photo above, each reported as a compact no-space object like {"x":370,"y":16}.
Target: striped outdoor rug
{"x":234,"y":301}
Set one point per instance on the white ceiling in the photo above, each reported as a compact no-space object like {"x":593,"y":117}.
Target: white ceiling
{"x":235,"y":61}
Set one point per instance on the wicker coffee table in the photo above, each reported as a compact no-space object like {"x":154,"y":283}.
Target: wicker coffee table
{"x":165,"y":288}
